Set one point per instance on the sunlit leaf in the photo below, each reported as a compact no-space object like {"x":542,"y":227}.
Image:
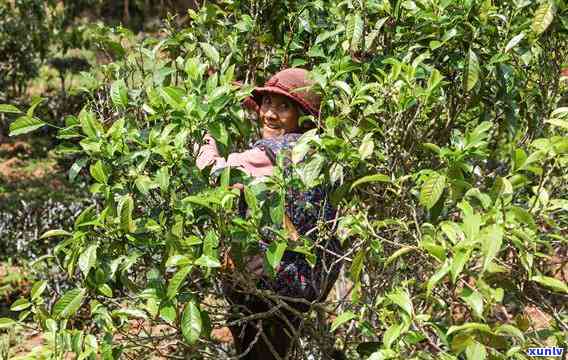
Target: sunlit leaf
{"x":469,"y":327}
{"x":88,"y":259}
{"x":125,"y":209}
{"x":439,"y":275}
{"x":514,"y":41}
{"x":68,"y":304}
{"x":474,"y":300}
{"x":472,"y":70}
{"x":119,"y":93}
{"x":53,"y":233}
{"x":543,"y":16}
{"x":6,"y":323}
{"x":210,"y":52}
{"x":475,"y":351}
{"x":274,"y":253}
{"x":370,"y":179}
{"x":551,"y":283}
{"x":402,"y":299}
{"x":176,"y":281}
{"x":357,"y":32}
{"x":191,"y":322}
{"x":342,"y":319}
{"x":20,"y":304}
{"x":24,"y":125}
{"x":432,"y":190}
{"x":98,"y":172}
{"x":9,"y":109}
{"x":491,"y":240}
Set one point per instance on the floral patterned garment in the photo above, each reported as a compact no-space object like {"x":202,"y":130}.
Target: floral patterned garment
{"x":294,"y":276}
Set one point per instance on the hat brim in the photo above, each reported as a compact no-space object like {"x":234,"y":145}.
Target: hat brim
{"x":257,"y":93}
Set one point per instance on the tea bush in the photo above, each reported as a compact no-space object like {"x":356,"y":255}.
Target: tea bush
{"x":441,"y":134}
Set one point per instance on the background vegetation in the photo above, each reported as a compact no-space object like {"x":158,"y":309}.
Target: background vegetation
{"x":443,"y":135}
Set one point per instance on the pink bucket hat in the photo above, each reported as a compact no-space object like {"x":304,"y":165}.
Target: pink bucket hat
{"x":285,"y":83}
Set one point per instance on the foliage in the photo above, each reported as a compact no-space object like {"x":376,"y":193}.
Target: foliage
{"x":24,"y":42}
{"x":441,"y":133}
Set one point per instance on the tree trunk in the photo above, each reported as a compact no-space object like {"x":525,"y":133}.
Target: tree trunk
{"x":126,"y":14}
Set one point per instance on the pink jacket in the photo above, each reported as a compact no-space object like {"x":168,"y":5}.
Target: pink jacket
{"x":254,"y":162}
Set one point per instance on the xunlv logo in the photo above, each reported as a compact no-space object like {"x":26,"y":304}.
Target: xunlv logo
{"x":545,"y":351}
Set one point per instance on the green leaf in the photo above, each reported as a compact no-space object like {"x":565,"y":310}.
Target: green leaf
{"x":53,"y":233}
{"x":275,"y":252}
{"x":369,"y":179}
{"x":20,"y":304}
{"x":434,"y":279}
{"x":402,"y":299}
{"x":130,"y":313}
{"x":511,"y":330}
{"x":310,"y":172}
{"x":105,"y":290}
{"x":475,"y":351}
{"x":68,"y":304}
{"x":323,"y":36}
{"x":432,"y":190}
{"x":163,"y":178}
{"x":398,"y":253}
{"x":357,"y":265}
{"x":98,"y":172}
{"x":474,"y":300}
{"x":524,"y":217}
{"x":219,"y":131}
{"x":207,"y":261}
{"x":491,"y":240}
{"x":125,"y":208}
{"x":191,"y":323}
{"x":514,"y":41}
{"x":471,"y":225}
{"x":372,"y":35}
{"x":560,"y":112}
{"x":469,"y":327}
{"x":168,"y":312}
{"x":176,"y":281}
{"x":6,"y":323}
{"x":432,"y":147}
{"x":24,"y":125}
{"x":551,"y":283}
{"x":342,"y":319}
{"x":144,"y":184}
{"x":392,"y":333}
{"x":434,"y":80}
{"x":461,"y":256}
{"x":9,"y":109}
{"x":357,"y":33}
{"x":210,"y":52}
{"x":89,"y":124}
{"x":174,"y":97}
{"x":343,"y":86}
{"x":367,"y":147}
{"x":119,"y":93}
{"x":88,"y":259}
{"x":472,"y":71}
{"x":558,"y":123}
{"x":452,"y":231}
{"x":543,"y":17}
{"x":38,"y":288}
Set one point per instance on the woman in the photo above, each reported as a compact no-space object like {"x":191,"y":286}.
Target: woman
{"x":280,"y":103}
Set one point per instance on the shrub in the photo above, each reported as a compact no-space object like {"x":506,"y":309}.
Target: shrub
{"x":441,"y":135}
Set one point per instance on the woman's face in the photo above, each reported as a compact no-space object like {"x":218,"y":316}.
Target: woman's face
{"x":278,"y":116}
